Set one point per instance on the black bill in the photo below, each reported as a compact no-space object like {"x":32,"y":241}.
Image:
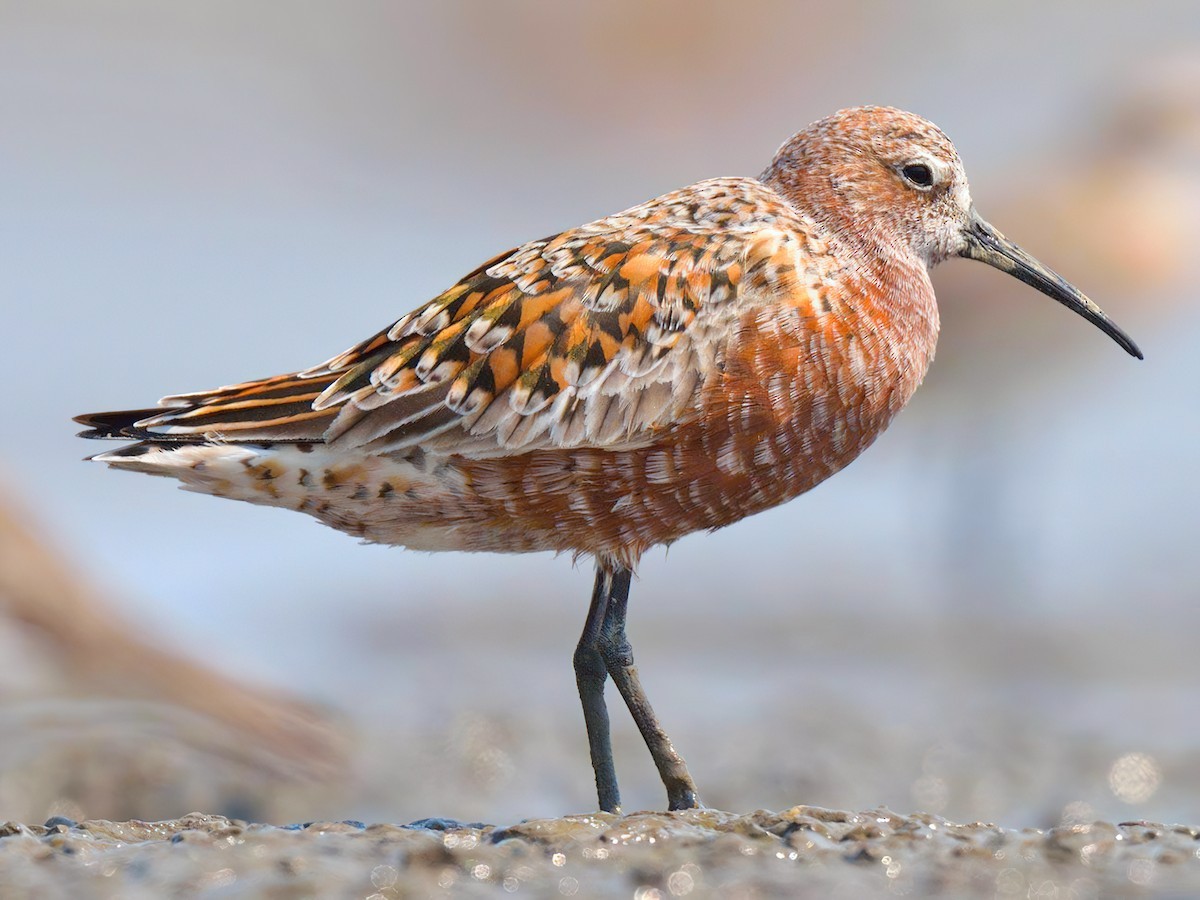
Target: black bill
{"x":988,"y":245}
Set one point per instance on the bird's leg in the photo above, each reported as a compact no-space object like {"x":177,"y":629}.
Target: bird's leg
{"x":590,"y":676}
{"x":618,"y":659}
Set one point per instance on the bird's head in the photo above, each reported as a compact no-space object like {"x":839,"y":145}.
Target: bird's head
{"x":892,"y":182}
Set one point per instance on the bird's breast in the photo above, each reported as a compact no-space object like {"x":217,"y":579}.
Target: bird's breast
{"x":795,"y":394}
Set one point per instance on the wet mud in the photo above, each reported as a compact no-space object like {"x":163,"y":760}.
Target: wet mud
{"x":801,"y":852}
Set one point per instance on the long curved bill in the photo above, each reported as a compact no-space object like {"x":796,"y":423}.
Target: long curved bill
{"x":986,"y":244}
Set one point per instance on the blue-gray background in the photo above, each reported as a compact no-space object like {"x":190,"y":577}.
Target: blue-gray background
{"x":980,"y":617}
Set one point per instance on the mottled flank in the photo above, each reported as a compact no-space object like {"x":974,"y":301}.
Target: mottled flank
{"x":678,"y":366}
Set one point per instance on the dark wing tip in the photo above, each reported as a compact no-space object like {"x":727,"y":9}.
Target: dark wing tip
{"x":117,"y":424}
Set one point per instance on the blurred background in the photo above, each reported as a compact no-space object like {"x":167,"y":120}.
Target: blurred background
{"x":992,"y":615}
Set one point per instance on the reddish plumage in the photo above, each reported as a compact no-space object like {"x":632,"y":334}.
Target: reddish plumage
{"x":675,"y":367}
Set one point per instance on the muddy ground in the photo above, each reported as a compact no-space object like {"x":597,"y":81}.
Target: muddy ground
{"x":800,"y":852}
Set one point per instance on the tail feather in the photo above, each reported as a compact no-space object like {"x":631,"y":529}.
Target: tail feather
{"x":278,"y":409}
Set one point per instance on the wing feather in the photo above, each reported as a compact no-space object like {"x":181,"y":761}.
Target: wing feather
{"x":600,"y":336}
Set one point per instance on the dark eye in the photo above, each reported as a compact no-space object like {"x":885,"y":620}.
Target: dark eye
{"x":918,"y":174}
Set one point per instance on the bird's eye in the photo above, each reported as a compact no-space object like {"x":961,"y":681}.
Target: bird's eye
{"x":918,"y":175}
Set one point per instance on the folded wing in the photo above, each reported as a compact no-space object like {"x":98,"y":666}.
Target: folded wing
{"x":603,"y":336}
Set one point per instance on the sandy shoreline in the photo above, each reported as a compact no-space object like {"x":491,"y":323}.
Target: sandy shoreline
{"x":804,"y":851}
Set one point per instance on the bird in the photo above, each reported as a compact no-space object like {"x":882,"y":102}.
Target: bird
{"x":672,"y":368}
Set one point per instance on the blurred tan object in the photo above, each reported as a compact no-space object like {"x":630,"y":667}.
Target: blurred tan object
{"x":1115,"y":204}
{"x":120,"y":727}
{"x":1124,"y":205}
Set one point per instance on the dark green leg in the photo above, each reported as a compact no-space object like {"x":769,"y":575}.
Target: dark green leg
{"x":604,"y":638}
{"x":590,"y":676}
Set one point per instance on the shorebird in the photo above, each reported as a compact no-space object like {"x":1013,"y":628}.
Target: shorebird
{"x":674,"y":367}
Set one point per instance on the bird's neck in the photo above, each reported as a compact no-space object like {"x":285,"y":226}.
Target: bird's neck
{"x":891,"y":276}
{"x":903,"y":290}
{"x":893,"y":282}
